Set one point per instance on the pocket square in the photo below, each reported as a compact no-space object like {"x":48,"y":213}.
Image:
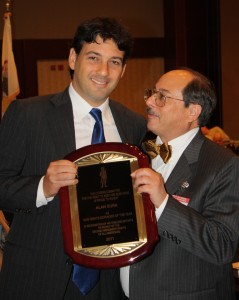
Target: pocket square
{"x":181,"y":199}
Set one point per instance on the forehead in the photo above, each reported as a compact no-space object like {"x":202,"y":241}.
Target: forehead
{"x":103,"y":46}
{"x":174,"y":80}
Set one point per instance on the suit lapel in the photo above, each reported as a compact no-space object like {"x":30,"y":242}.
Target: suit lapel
{"x":180,"y":175}
{"x":180,"y":178}
{"x":120,"y":122}
{"x":61,"y":123}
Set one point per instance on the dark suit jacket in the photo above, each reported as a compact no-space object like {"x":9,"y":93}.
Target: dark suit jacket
{"x":192,"y":260}
{"x":33,"y":133}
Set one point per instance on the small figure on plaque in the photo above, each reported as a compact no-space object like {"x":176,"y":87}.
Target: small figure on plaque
{"x":103,"y":177}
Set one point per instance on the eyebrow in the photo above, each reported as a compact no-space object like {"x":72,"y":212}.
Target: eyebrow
{"x":163,"y":90}
{"x":117,"y":57}
{"x":98,"y":54}
{"x":93,"y":52}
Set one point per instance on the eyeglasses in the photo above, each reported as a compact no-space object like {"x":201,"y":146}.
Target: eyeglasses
{"x":159,"y":97}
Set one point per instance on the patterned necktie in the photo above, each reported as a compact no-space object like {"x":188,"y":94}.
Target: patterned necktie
{"x":98,"y":131}
{"x":164,"y":150}
{"x":85,"y":278}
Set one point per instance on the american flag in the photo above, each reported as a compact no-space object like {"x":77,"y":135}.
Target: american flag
{"x":10,"y":85}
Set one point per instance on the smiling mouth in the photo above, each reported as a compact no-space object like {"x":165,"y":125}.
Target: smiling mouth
{"x":99,"y":82}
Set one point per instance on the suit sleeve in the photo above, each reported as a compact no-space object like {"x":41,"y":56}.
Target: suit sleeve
{"x":17,"y":189}
{"x":209,"y":226}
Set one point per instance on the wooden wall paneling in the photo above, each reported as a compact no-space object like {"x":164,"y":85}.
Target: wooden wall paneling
{"x":141,"y":73}
{"x":29,"y":52}
{"x":34,"y":50}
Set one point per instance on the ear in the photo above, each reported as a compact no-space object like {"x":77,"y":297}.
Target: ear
{"x":194,"y":111}
{"x":124,"y":67}
{"x":72,"y":58}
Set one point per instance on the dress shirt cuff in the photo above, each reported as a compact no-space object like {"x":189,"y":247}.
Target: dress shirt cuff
{"x":160,"y":209}
{"x":41,"y":199}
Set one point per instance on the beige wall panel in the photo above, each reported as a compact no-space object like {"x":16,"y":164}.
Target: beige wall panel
{"x":139,"y":75}
{"x":53,"y":76}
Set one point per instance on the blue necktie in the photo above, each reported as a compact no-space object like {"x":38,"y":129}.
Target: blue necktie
{"x":85,"y":278}
{"x":98,"y":131}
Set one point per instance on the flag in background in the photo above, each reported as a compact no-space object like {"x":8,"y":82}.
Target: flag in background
{"x":10,"y":85}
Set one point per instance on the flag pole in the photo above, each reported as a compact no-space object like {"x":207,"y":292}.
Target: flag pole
{"x":8,"y":11}
{"x":6,"y":14}
{"x":8,"y":5}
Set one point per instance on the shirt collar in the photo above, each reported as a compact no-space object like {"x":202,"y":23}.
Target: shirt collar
{"x":180,"y":143}
{"x":81,"y":108}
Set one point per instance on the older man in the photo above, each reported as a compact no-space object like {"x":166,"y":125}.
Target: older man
{"x":195,"y":190}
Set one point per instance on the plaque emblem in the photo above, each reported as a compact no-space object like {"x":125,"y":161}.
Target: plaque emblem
{"x":105,"y":222}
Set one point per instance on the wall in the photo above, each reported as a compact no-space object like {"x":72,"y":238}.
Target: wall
{"x":230,"y":66}
{"x":36,"y":23}
{"x":56,"y":19}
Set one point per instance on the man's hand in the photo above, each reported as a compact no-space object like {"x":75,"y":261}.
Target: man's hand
{"x":148,"y":181}
{"x":59,"y":173}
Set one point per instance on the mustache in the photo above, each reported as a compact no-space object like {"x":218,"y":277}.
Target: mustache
{"x":150,"y":111}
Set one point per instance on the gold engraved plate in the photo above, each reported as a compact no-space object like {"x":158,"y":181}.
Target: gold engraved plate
{"x":108,"y":217}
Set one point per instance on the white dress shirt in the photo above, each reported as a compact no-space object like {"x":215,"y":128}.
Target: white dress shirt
{"x":178,"y":146}
{"x":84,"y":124}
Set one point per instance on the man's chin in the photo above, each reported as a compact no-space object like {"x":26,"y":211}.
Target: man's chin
{"x":151,"y":126}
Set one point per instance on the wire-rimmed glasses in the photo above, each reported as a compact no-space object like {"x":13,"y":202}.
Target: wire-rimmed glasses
{"x":159,"y":97}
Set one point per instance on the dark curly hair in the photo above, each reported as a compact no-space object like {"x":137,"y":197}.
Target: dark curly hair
{"x":106,"y":28}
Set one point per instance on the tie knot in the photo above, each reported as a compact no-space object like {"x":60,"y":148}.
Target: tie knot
{"x":164,"y":150}
{"x":96,"y":114}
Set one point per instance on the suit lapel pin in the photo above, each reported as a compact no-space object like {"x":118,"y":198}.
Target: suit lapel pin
{"x":184,"y":185}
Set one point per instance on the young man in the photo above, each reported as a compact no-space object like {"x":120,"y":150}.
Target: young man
{"x":195,"y":191}
{"x":35,"y":135}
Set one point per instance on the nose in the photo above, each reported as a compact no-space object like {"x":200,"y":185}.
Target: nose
{"x":103,"y":68}
{"x":150,"y":101}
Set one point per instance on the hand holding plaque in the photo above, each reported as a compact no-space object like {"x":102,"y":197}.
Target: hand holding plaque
{"x":105,"y":222}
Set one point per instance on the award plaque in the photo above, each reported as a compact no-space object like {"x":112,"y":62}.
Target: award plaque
{"x":105,"y":222}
